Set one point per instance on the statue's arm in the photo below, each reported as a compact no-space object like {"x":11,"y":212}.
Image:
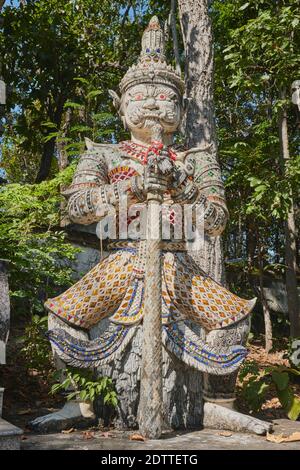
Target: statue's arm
{"x":207,"y":177}
{"x":90,"y":193}
{"x":204,"y":187}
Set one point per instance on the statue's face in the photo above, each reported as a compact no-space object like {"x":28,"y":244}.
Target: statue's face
{"x":145,"y":105}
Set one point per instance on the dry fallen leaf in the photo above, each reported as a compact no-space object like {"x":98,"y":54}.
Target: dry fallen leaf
{"x":68,"y":431}
{"x":88,"y":435}
{"x":137,"y":437}
{"x":224,"y":433}
{"x":279,"y":438}
{"x":106,"y":434}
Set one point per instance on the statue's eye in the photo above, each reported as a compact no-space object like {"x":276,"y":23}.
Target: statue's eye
{"x":158,"y":50}
{"x":162,"y":97}
{"x":138,"y":97}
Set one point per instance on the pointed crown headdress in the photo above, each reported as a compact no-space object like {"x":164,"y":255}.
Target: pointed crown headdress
{"x":152,"y":66}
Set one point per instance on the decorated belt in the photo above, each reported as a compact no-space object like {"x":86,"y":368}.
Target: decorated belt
{"x":166,"y":245}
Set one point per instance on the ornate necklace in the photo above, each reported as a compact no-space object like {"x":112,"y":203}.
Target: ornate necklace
{"x":134,"y":150}
{"x":139,"y":151}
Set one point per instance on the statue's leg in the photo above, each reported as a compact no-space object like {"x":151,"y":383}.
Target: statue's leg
{"x":182,"y":386}
{"x":75,"y":412}
{"x":219,"y":390}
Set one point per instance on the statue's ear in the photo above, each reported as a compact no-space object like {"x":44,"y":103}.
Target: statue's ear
{"x":89,"y":143}
{"x":124,"y":122}
{"x":116,"y":99}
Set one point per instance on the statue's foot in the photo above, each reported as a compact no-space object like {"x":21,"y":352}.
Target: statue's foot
{"x":219,"y":417}
{"x":73,"y":414}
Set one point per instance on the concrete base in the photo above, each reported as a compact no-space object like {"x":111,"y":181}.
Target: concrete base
{"x":207,"y":439}
{"x":10,"y":436}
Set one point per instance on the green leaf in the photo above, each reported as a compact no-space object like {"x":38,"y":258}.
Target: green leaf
{"x":281,"y":379}
{"x":254,"y":392}
{"x":49,"y":124}
{"x":55,"y":388}
{"x":83,"y":395}
{"x":50,"y":136}
{"x":254,"y":181}
{"x":72,"y":104}
{"x":80,"y":128}
{"x":106,"y":398}
{"x":114,"y":401}
{"x":294,"y":410}
{"x":81,"y":80}
{"x":243,"y":7}
{"x":72,"y":395}
{"x":94,"y":93}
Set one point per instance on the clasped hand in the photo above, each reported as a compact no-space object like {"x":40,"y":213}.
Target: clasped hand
{"x":161,"y":173}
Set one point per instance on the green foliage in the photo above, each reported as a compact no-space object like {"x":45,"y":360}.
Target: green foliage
{"x":256,"y":384}
{"x":272,"y":54}
{"x":36,"y":349}
{"x":91,"y":117}
{"x":45,"y":45}
{"x":85,"y":387}
{"x":19,"y":162}
{"x":256,"y":60}
{"x":30,"y":238}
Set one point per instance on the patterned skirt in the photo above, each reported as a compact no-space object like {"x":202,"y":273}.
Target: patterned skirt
{"x":114,"y":289}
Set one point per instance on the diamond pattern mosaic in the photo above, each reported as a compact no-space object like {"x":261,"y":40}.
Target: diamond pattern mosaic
{"x":112,"y":289}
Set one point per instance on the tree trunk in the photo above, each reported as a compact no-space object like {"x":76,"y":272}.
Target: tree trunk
{"x":61,"y":144}
{"x":55,"y":113}
{"x":250,"y":246}
{"x":200,"y":131}
{"x":199,"y":117}
{"x":290,"y":235}
{"x":266,"y":310}
{"x":46,"y":160}
{"x":291,"y":274}
{"x":62,"y":164}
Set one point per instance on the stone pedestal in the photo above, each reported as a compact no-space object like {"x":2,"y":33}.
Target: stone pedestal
{"x":9,"y":434}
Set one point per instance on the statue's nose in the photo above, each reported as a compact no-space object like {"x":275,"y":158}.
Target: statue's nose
{"x":150,"y":103}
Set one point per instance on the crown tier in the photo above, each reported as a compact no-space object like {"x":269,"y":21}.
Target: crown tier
{"x":152,"y":66}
